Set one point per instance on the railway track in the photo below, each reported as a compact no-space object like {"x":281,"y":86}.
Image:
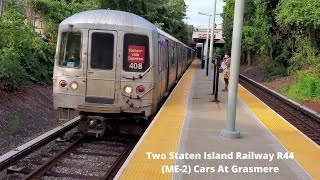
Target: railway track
{"x":303,"y":119}
{"x":87,"y":158}
{"x":75,"y":157}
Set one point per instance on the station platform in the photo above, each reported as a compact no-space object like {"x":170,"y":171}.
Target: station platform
{"x":184,"y":141}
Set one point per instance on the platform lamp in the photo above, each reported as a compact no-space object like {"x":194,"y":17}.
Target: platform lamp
{"x":212,"y":38}
{"x":207,"y":44}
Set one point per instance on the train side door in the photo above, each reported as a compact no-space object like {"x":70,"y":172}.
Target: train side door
{"x":101,"y":69}
{"x":163,"y":65}
{"x":164,"y":53}
{"x":176,"y":57}
{"x":168,"y":65}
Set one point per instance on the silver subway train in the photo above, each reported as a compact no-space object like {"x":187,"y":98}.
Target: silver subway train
{"x":115,"y":64}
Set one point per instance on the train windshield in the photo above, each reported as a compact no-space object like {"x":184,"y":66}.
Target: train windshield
{"x":70,"y":46}
{"x":136,"y":53}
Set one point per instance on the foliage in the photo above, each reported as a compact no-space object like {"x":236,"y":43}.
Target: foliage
{"x":299,"y":14}
{"x":283,"y":37}
{"x":228,"y":12}
{"x":218,"y":52}
{"x":53,"y":12}
{"x":167,"y":15}
{"x":306,"y":88}
{"x":15,"y":124}
{"x":302,"y":20}
{"x":24,"y":56}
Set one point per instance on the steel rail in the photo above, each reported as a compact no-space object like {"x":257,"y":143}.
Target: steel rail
{"x":110,"y":168}
{"x":310,"y":113}
{"x":122,"y":158}
{"x":268,"y":94}
{"x":37,"y":173}
{"x":22,"y":151}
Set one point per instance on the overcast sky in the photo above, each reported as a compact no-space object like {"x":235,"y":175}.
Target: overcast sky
{"x":204,"y":6}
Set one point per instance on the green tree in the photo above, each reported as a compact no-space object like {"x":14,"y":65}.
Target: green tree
{"x":283,"y":36}
{"x":167,"y":15}
{"x":227,"y":26}
{"x":301,"y":21}
{"x":24,"y":56}
{"x":52,"y":12}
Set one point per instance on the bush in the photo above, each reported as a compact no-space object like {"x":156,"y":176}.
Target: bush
{"x":12,"y":74}
{"x":306,"y":88}
{"x":24,"y":56}
{"x":54,"y":11}
{"x":272,"y":69}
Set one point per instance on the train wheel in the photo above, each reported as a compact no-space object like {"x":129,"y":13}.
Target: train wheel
{"x":83,"y":125}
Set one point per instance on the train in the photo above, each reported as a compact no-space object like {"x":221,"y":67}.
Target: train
{"x":114,"y":65}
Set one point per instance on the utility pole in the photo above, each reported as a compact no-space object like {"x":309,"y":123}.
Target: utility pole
{"x":212,"y":38}
{"x":207,"y":42}
{"x":1,"y":6}
{"x":230,"y":131}
{"x":207,"y":45}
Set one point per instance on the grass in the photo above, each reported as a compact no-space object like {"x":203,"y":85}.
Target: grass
{"x":306,"y":88}
{"x":15,"y":124}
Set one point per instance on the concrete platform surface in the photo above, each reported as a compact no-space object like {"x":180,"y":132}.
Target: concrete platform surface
{"x":241,"y":158}
{"x":184,"y":140}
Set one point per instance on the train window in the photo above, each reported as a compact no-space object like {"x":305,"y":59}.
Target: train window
{"x":172,"y":53}
{"x":136,"y":53}
{"x":70,"y":46}
{"x":163,"y":54}
{"x":102,"y":49}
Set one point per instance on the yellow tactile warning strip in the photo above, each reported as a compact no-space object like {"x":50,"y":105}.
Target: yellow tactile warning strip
{"x":306,"y":153}
{"x":164,"y":135}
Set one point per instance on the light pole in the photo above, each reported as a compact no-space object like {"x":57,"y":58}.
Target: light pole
{"x":1,"y":6}
{"x":230,"y":131}
{"x":206,"y":47}
{"x":212,"y":38}
{"x":215,"y":72}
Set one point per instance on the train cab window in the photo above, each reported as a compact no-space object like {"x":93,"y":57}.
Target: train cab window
{"x":136,"y":53}
{"x":70,"y":46}
{"x":102,"y":49}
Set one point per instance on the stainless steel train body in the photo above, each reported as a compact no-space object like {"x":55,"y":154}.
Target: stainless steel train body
{"x":113,"y":63}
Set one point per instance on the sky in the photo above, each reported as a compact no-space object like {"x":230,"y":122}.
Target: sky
{"x":204,"y":6}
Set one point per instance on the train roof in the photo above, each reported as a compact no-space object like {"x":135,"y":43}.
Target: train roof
{"x":169,"y":36}
{"x":90,"y":18}
{"x":107,"y":17}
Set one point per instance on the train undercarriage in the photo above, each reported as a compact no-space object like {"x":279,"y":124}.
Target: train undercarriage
{"x":100,"y":124}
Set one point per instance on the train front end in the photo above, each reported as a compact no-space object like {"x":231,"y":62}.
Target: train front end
{"x":103,"y":65}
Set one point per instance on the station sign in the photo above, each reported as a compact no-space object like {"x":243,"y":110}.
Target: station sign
{"x":202,"y":36}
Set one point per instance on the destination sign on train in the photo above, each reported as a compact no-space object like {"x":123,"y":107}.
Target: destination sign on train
{"x":136,"y":54}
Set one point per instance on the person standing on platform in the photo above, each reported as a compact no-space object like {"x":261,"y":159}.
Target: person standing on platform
{"x":225,"y":66}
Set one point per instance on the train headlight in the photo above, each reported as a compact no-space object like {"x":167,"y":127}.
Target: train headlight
{"x":128,"y":89}
{"x":74,"y":86}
